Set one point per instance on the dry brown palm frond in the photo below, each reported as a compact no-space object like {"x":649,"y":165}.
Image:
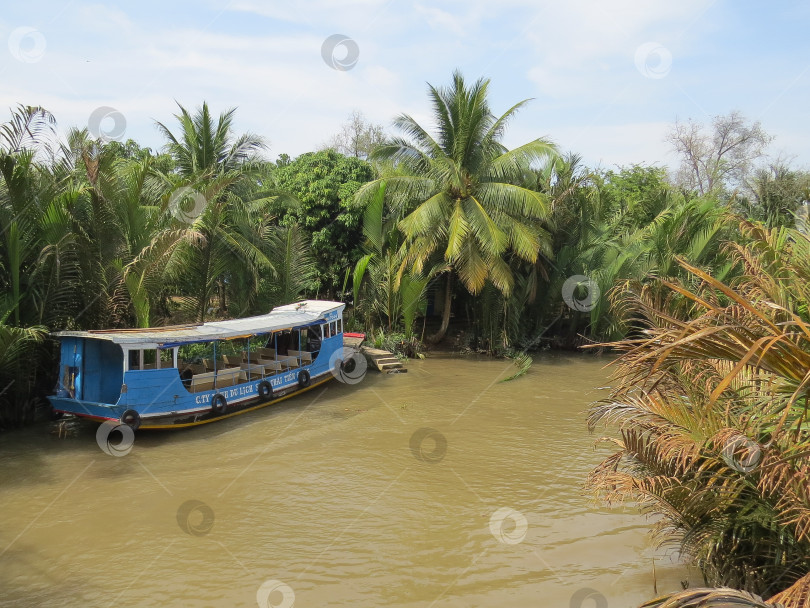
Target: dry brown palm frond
{"x":795,"y":596}
{"x":721,"y":597}
{"x":711,"y":402}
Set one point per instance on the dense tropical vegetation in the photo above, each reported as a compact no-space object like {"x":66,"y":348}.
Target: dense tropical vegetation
{"x":712,"y":404}
{"x":700,"y":275}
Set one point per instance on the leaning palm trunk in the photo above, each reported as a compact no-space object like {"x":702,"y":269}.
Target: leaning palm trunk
{"x":711,"y":404}
{"x":448,"y":304}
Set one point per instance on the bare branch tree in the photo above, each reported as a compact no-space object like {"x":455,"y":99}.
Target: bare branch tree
{"x":357,"y":137}
{"x":719,"y":157}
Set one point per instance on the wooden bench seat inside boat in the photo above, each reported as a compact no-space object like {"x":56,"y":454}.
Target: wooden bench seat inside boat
{"x":304,"y":355}
{"x":225,"y":377}
{"x":251,"y":357}
{"x":233,"y":360}
{"x":195,"y":368}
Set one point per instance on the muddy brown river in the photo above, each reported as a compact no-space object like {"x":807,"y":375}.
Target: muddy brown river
{"x":437,"y":488}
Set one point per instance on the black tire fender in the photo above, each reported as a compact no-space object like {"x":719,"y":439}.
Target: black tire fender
{"x":219,"y":403}
{"x":265,"y":390}
{"x":347,"y":366}
{"x":303,"y":378}
{"x":132,"y":419}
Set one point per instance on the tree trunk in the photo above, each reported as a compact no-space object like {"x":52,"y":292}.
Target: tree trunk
{"x":223,"y":305}
{"x":448,"y":301}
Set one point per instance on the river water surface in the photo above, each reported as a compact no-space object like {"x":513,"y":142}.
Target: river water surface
{"x":440,"y":487}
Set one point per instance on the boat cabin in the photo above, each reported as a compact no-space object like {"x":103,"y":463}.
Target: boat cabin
{"x":178,"y":372}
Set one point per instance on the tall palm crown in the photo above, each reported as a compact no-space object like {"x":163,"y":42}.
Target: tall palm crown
{"x":204,"y":145}
{"x":470,"y":211}
{"x":233,"y":234}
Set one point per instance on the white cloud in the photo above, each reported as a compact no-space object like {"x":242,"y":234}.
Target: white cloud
{"x":351,"y":14}
{"x":576,"y":59}
{"x":443,"y":21}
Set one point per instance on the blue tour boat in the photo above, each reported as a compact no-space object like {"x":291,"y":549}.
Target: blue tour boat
{"x":184,"y":375}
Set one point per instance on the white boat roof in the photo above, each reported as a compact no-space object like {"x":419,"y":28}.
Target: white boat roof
{"x":282,"y":317}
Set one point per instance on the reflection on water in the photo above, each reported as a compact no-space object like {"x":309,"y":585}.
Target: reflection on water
{"x":439,"y":487}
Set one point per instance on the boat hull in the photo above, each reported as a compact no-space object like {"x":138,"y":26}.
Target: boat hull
{"x":101,"y":412}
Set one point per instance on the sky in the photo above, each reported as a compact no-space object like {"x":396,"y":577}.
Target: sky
{"x":607,"y":78}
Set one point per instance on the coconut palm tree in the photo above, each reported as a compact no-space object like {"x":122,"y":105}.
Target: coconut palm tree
{"x":461,"y":187}
{"x":230,"y":223}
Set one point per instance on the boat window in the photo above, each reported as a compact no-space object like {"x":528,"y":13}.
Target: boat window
{"x":326,"y":333}
{"x":298,"y":339}
{"x":333,"y":328}
{"x":146,"y":358}
{"x":260,"y":341}
{"x":313,"y":338}
{"x":284,"y":342}
{"x":232,"y":352}
{"x":193,"y":354}
{"x":340,"y":325}
{"x":166,"y":357}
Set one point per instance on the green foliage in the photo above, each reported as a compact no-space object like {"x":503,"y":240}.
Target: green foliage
{"x":325,"y":183}
{"x":294,"y":270}
{"x":412,"y":291}
{"x":523,"y":362}
{"x":382,"y":292}
{"x":205,"y":145}
{"x":19,"y":373}
{"x":775,"y":195}
{"x":397,"y":343}
{"x":606,"y":228}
